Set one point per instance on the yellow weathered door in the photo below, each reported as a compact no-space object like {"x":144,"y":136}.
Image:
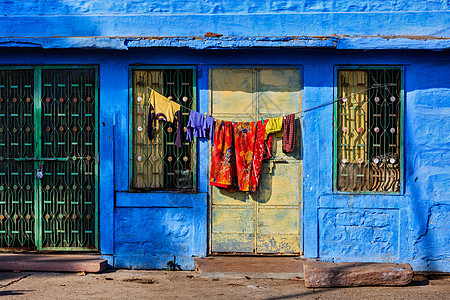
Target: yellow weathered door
{"x":268,"y":221}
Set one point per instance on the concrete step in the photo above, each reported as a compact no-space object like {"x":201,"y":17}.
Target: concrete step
{"x":249,"y":267}
{"x":51,"y":262}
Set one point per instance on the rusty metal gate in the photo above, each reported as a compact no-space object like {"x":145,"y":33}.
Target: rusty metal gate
{"x":48,"y":158}
{"x":268,"y":221}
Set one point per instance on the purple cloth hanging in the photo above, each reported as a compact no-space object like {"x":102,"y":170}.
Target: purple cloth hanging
{"x":200,"y":127}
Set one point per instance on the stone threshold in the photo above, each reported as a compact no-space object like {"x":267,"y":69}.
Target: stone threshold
{"x":91,"y":263}
{"x":249,"y":267}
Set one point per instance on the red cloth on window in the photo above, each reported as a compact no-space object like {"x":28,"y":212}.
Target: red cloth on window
{"x":244,"y":142}
{"x":262,"y":151}
{"x":223,"y":168}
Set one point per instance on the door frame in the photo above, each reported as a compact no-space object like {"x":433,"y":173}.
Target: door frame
{"x":38,"y":150}
{"x":301,"y":214}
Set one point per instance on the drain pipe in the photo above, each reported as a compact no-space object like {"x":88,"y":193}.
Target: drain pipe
{"x":114,"y":121}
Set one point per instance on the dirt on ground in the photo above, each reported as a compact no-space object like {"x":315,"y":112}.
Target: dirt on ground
{"x":132,"y":284}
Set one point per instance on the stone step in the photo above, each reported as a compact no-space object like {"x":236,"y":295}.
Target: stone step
{"x":328,"y":274}
{"x":249,"y":266}
{"x":52,"y":262}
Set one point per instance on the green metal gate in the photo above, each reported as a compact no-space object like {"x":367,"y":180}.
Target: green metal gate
{"x":48,"y":158}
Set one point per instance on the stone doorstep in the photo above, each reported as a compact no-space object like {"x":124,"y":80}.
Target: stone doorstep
{"x":251,"y":275}
{"x":249,"y":267}
{"x":52,"y":263}
{"x":327,"y":274}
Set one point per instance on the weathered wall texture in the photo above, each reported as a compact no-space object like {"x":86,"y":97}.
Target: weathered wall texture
{"x":363,"y":233}
{"x":148,"y":230}
{"x":181,"y":18}
{"x":155,"y":230}
{"x":101,"y":7}
{"x":414,"y":224}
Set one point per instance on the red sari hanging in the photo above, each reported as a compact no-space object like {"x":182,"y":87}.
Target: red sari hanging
{"x":232,"y":157}
{"x":262,"y":151}
{"x":223,"y":168}
{"x":244,"y":142}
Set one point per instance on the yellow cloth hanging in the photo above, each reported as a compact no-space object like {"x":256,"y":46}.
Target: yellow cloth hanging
{"x":162,"y":105}
{"x":274,"y":125}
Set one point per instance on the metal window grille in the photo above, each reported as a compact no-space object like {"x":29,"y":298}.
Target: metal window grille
{"x":368,"y":137}
{"x":158,"y":164}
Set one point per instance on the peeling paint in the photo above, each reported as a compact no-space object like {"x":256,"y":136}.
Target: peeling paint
{"x":203,"y":43}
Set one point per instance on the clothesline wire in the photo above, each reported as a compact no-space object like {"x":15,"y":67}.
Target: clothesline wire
{"x":351,"y":94}
{"x":321,"y":105}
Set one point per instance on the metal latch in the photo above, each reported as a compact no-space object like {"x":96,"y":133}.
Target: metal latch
{"x":39,"y":173}
{"x":272,"y":163}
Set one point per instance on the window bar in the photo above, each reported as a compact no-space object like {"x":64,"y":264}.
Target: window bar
{"x":174,"y":163}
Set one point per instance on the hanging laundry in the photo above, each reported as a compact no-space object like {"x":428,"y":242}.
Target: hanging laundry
{"x":223,"y":167}
{"x":274,"y":125}
{"x":195,"y":125}
{"x":161,"y":108}
{"x":261,"y":151}
{"x":289,"y":133}
{"x":244,"y":142}
{"x":200,"y":127}
{"x":208,"y":126}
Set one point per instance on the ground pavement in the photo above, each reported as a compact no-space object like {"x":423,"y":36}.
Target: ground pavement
{"x":133,"y":284}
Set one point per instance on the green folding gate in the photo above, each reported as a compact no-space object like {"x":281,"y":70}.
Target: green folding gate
{"x":48,"y":158}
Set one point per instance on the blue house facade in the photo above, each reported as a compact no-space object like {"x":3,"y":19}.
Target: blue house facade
{"x":368,"y":81}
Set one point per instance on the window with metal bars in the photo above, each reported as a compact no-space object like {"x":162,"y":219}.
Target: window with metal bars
{"x":368,"y":130}
{"x":158,"y":164}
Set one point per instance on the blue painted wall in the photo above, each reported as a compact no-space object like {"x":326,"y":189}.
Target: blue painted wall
{"x":166,"y":18}
{"x":146,"y":230}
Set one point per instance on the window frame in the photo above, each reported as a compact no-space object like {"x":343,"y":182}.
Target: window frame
{"x":194,"y":158}
{"x":347,"y":67}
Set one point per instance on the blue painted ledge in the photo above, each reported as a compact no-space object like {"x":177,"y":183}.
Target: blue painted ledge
{"x":159,"y":199}
{"x":203,"y":43}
